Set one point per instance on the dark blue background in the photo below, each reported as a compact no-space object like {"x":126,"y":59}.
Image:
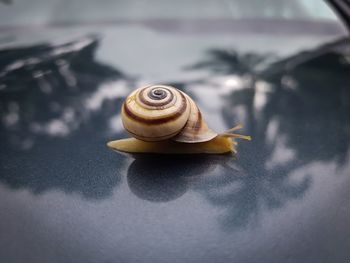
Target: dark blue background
{"x":64,"y":197}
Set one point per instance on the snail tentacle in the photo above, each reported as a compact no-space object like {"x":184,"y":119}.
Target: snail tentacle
{"x":228,"y":133}
{"x":235,"y":128}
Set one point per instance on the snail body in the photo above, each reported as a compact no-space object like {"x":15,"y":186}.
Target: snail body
{"x":163,"y":119}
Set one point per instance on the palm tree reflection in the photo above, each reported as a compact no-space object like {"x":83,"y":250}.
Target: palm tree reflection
{"x":299,"y":105}
{"x":297,"y":112}
{"x":231,"y":61}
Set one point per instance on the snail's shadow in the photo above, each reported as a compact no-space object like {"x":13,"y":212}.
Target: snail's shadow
{"x":162,"y":178}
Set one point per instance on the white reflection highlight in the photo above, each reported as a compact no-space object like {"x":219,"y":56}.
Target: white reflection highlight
{"x":106,"y":91}
{"x":79,"y":45}
{"x":233,"y":82}
{"x":260,"y":97}
{"x":226,"y":84}
{"x":115,"y":124}
{"x":38,"y":74}
{"x":54,"y":127}
{"x":15,"y":65}
{"x":272,"y":131}
{"x":282,"y":154}
{"x":12,"y":117}
{"x":289,"y":82}
{"x":63,"y":68}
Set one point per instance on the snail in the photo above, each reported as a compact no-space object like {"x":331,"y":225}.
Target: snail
{"x":163,"y":119}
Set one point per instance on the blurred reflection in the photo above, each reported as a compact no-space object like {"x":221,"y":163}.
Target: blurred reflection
{"x":268,"y":8}
{"x":297,"y":111}
{"x":55,"y":102}
{"x":246,"y":192}
{"x":231,"y":61}
{"x":6,"y":2}
{"x":164,"y":178}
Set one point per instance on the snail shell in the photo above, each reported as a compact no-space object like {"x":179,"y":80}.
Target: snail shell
{"x":159,"y":112}
{"x":164,"y":120}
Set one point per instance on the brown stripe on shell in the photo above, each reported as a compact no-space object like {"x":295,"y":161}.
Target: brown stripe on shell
{"x":195,"y":130}
{"x":159,"y":138}
{"x":198,"y":124}
{"x":173,"y":117}
{"x":141,"y":97}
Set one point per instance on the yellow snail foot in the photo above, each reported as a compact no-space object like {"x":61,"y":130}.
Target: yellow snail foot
{"x":218,"y":145}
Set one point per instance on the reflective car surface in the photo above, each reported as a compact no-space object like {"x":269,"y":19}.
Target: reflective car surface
{"x":282,"y":71}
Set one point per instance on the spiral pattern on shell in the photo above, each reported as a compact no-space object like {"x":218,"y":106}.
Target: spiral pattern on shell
{"x":159,"y":112}
{"x":155,"y":113}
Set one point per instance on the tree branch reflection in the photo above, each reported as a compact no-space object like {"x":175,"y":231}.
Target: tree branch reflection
{"x":56,"y":101}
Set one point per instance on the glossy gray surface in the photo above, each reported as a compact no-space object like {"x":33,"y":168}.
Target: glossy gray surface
{"x":64,"y":197}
